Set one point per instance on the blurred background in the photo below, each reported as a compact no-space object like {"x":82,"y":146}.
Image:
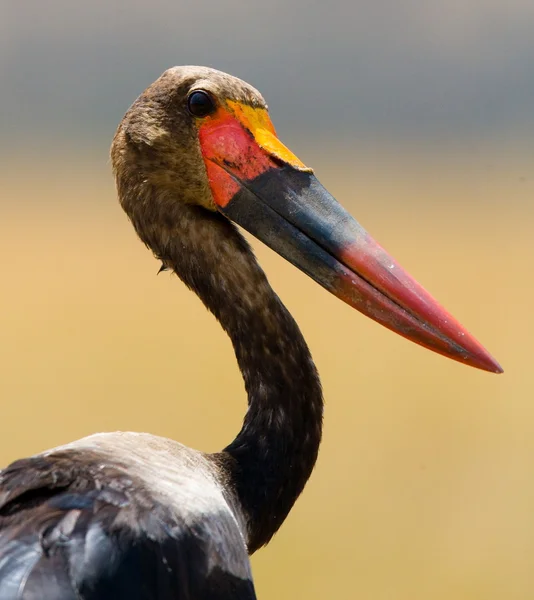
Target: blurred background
{"x":419,"y":117}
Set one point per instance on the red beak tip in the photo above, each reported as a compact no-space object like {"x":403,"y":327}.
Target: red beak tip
{"x":490,"y":365}
{"x":498,"y":369}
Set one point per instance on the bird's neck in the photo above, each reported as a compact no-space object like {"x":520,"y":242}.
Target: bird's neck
{"x":272,"y":457}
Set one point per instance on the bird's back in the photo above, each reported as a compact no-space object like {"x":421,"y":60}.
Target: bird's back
{"x":118,"y":516}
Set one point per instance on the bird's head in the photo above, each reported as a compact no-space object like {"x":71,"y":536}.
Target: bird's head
{"x":204,"y":138}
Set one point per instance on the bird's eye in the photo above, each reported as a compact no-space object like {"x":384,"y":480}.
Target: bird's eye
{"x":200,"y":104}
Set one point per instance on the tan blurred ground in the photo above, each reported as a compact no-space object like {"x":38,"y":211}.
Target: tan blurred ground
{"x":425,"y":483}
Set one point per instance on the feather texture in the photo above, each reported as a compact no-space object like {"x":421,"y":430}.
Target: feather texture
{"x":76,"y":526}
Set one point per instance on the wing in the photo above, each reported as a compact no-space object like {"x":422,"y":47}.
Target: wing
{"x":75,"y":527}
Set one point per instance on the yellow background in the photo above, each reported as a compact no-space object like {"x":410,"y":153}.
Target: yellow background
{"x":425,"y":483}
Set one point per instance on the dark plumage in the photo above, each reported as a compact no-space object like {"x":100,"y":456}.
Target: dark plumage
{"x":75,"y":527}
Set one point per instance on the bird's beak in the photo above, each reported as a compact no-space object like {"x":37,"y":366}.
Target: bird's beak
{"x":259,"y":184}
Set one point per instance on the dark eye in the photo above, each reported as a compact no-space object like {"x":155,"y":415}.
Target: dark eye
{"x":200,"y":104}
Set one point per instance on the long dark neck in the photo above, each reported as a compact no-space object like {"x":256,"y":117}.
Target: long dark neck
{"x":273,"y":455}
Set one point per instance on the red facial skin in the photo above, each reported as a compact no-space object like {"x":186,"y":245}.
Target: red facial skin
{"x":226,"y":142}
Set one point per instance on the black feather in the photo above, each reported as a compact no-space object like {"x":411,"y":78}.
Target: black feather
{"x":73,"y":527}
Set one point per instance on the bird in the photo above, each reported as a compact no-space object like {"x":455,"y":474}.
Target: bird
{"x":133,"y":515}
